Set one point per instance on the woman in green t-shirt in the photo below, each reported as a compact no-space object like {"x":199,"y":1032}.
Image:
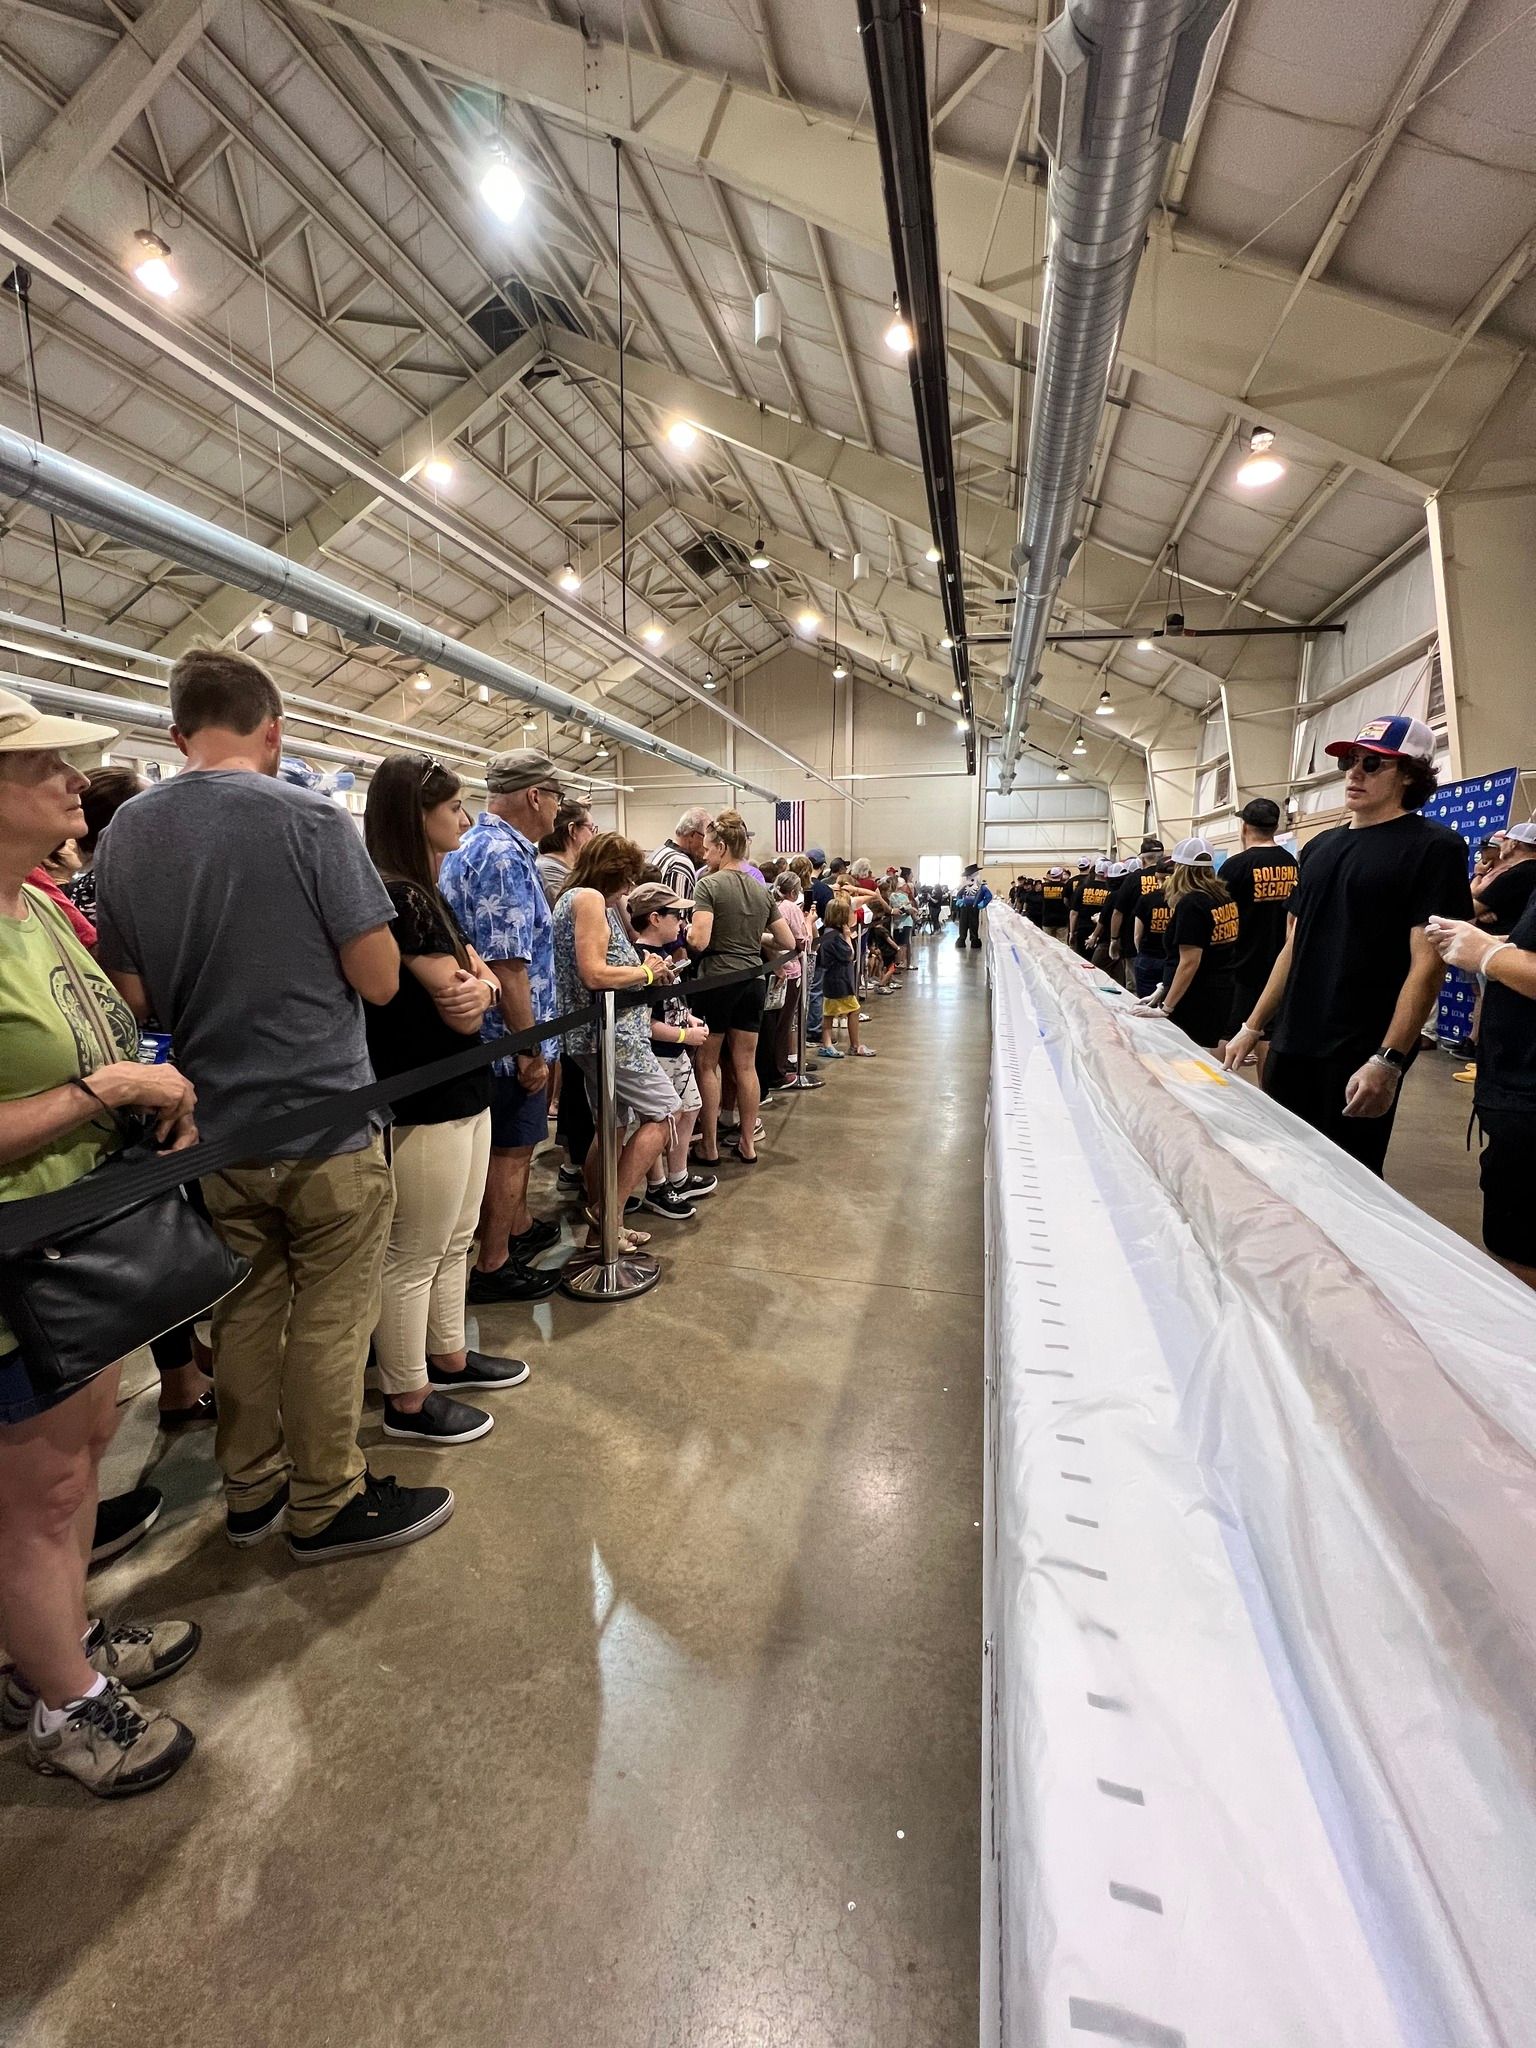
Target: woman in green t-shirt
{"x":733,"y":914}
{"x":71,"y":1680}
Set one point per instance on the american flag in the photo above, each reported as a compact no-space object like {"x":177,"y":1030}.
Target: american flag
{"x":789,"y":827}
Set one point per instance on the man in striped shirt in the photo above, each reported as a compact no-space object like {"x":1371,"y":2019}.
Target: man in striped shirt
{"x":679,"y":858}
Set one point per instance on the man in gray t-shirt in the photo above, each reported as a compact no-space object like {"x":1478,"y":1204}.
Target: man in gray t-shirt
{"x":244,"y":916}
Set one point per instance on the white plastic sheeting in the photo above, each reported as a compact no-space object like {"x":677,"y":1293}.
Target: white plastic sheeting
{"x":1260,"y":1596}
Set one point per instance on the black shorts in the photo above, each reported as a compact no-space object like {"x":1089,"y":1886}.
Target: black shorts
{"x":882,"y":943}
{"x":1509,"y":1215}
{"x":738,"y":1008}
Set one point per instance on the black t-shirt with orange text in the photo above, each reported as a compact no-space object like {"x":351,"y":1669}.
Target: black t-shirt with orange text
{"x":1053,"y":904}
{"x":1206,"y":1005}
{"x":1261,"y":882}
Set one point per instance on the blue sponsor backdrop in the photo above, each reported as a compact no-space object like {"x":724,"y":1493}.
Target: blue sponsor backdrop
{"x":1474,"y":809}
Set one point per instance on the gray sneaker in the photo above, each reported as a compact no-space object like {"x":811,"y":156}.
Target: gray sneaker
{"x":110,"y":1745}
{"x":136,"y":1655}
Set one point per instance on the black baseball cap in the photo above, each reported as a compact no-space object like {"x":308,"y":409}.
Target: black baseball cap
{"x":1152,"y":844}
{"x":1261,"y":812}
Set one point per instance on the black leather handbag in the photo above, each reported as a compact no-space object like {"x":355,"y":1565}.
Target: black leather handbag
{"x":100,"y":1291}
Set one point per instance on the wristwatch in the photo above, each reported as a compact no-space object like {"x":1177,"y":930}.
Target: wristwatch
{"x":1389,"y":1056}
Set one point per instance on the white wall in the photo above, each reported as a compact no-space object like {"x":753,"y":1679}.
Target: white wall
{"x":1041,"y":822}
{"x":919,"y":798}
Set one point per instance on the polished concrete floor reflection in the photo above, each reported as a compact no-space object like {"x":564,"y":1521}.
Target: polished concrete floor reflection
{"x":671,"y":1737}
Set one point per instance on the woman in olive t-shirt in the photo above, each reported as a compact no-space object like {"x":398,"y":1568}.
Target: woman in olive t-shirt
{"x":732,"y":915}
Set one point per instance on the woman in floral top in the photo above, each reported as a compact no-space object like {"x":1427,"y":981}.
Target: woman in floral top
{"x":593,"y":952}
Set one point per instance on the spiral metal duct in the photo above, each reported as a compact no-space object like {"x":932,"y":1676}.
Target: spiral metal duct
{"x":1121,"y":81}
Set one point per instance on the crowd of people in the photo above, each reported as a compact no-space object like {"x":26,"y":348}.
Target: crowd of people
{"x":186,"y":960}
{"x":1322,"y":972}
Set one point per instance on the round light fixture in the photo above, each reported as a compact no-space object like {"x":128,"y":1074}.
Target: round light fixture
{"x":709,"y":679}
{"x":946,"y":643}
{"x":839,"y":669}
{"x":955,"y":697}
{"x":683,"y":435}
{"x":262,"y":623}
{"x":652,"y":634}
{"x":438,"y":471}
{"x":421,"y":681}
{"x":151,"y":265}
{"x":1063,"y":775}
{"x":1079,"y":745}
{"x":931,"y":553}
{"x":501,"y":188}
{"x":898,"y":337}
{"x":1104,"y":707}
{"x":1143,"y":645}
{"x":570,"y":582}
{"x":758,"y":558}
{"x":1261,"y":468}
{"x":959,"y":725}
{"x":807,"y":622}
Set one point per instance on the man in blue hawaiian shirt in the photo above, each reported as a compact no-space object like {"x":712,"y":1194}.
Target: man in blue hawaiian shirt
{"x":492,"y":885}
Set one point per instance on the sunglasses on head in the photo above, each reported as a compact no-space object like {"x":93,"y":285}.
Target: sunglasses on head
{"x":1368,"y":764}
{"x":430,"y":766}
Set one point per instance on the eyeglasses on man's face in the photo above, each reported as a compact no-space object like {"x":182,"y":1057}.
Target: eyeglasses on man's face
{"x":1368,"y":764}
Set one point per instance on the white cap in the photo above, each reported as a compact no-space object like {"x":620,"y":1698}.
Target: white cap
{"x":1119,"y":869}
{"x":1523,"y":835}
{"x":1193,"y":853}
{"x":26,"y":730}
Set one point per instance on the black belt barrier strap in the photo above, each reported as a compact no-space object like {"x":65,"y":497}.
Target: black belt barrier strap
{"x":39,"y":1219}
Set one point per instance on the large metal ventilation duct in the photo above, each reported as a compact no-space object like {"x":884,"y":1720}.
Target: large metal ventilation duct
{"x":1120,"y":82}
{"x":58,"y":483}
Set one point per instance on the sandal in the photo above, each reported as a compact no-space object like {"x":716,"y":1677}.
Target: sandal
{"x":737,"y":1153}
{"x":629,"y":1240}
{"x":864,"y":1052}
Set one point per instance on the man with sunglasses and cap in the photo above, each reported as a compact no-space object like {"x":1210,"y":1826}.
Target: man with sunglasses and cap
{"x":492,"y":885}
{"x":1357,"y":976}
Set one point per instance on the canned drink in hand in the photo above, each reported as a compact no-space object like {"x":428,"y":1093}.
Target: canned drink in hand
{"x":154,"y":1048}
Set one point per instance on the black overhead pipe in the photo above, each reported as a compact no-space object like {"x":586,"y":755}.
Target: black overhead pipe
{"x":892,"y":34}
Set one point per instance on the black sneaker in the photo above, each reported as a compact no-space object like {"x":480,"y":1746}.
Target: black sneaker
{"x":570,"y":1180}
{"x":123,"y":1520}
{"x":511,"y":1282}
{"x":538,"y":1237}
{"x":695,"y":1187}
{"x":439,"y":1420}
{"x":668,"y":1201}
{"x":634,"y":1205}
{"x":253,"y":1525}
{"x":381,"y":1517}
{"x":481,"y":1371}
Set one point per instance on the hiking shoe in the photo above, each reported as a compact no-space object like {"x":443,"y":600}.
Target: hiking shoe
{"x":511,"y":1282}
{"x":482,"y":1371}
{"x":694,"y":1187}
{"x":134,"y":1655}
{"x":381,"y":1517}
{"x":245,"y":1526}
{"x":110,"y":1745}
{"x":538,"y":1237}
{"x":668,"y":1201}
{"x":123,"y":1520}
{"x":440,"y":1420}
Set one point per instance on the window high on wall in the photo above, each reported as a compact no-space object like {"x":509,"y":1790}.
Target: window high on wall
{"x":939,"y":870}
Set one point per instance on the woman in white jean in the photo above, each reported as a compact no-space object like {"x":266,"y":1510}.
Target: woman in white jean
{"x":442,"y":1136}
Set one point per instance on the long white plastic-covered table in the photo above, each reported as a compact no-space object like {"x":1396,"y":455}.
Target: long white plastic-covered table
{"x":1259,"y":1749}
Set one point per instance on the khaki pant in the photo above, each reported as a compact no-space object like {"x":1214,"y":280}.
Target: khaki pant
{"x":290,"y":1347}
{"x":439,"y":1180}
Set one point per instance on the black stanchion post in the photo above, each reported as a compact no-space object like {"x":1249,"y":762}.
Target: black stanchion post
{"x":604,"y":1271}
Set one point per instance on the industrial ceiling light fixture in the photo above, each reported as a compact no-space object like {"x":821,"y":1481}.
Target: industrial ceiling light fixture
{"x":933,"y":552}
{"x":1063,"y":773}
{"x":570,"y":582}
{"x":955,"y":697}
{"x":758,"y":559}
{"x":898,"y":336}
{"x":1080,"y":745}
{"x":262,"y":623}
{"x":961,"y":727}
{"x":438,"y":472}
{"x":709,"y":679}
{"x":652,"y":634}
{"x":839,"y":670}
{"x":151,"y":264}
{"x":683,"y":435}
{"x":807,"y":622}
{"x":421,"y":681}
{"x":500,"y":187}
{"x":1261,"y":467}
{"x":1105,"y":705}
{"x":1143,"y":645}
{"x":946,"y":642}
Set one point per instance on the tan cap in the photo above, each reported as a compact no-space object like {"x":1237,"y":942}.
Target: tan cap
{"x":26,"y":730}
{"x":521,"y":768}
{"x":646,"y":898}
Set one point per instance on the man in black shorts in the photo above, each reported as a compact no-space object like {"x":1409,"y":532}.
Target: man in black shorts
{"x":1506,"y":1078}
{"x":1260,"y":880}
{"x":1357,"y":976}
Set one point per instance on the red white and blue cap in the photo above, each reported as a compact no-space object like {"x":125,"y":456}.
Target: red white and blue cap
{"x":1407,"y":738}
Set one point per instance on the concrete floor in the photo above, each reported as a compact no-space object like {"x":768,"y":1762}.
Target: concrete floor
{"x":671,"y":1737}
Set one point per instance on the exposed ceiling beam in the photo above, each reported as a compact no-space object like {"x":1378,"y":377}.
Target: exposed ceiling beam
{"x":230,"y":611}
{"x":88,"y":127}
{"x":1337,"y":379}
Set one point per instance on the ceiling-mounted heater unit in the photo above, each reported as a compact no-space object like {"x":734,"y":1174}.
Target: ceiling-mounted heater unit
{"x":767,"y":323}
{"x":860,"y":566}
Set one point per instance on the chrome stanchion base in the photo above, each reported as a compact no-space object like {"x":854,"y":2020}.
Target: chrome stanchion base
{"x":586,"y":1278}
